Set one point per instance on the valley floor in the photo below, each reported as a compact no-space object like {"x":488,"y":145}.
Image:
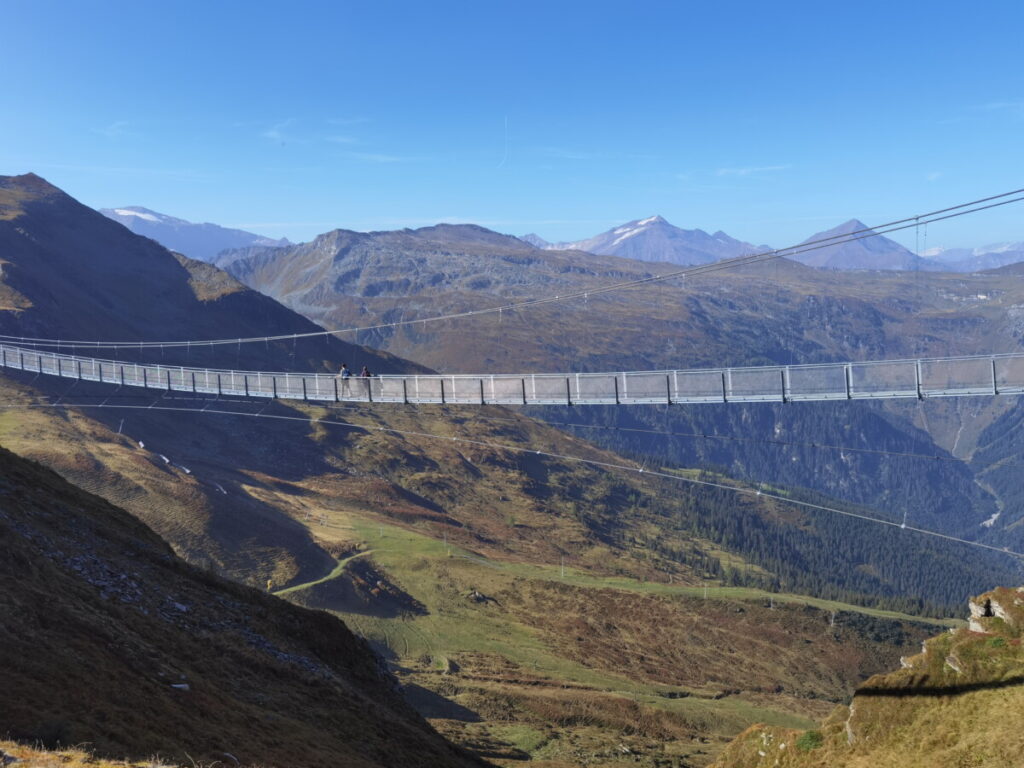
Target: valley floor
{"x":565,"y":667}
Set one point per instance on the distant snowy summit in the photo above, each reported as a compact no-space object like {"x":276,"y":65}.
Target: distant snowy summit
{"x":654,"y":239}
{"x":857,"y":246}
{"x":975,"y":259}
{"x":198,"y":241}
{"x":850,"y":245}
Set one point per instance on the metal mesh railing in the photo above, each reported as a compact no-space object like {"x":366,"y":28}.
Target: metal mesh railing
{"x":935,"y":377}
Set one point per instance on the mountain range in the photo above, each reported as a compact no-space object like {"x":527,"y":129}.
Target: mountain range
{"x":975,"y":259}
{"x":650,"y":239}
{"x":431,"y":533}
{"x":531,"y":606}
{"x":198,"y":241}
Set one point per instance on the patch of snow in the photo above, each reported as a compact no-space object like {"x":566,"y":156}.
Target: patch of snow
{"x":991,"y":521}
{"x":651,"y":220}
{"x":146,"y":216}
{"x":629,"y":234}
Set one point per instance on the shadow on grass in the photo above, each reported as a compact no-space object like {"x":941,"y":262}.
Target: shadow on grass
{"x":941,"y":690}
{"x":434,"y":705}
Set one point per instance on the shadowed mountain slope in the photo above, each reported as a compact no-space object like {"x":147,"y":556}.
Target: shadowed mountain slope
{"x":108,"y":638}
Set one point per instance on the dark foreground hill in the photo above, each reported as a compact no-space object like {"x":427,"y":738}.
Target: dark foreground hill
{"x":106,"y":637}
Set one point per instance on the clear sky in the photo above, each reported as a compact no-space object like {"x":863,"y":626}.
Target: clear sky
{"x":769,"y":120}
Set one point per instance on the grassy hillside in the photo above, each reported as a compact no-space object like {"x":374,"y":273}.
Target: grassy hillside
{"x":108,"y":638}
{"x":449,"y":558}
{"x":954,"y":703}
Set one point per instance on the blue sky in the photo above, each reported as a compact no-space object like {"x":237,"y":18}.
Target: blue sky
{"x":768,"y":120}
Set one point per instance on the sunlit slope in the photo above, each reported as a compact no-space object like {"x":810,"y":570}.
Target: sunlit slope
{"x":111,"y":640}
{"x":562,"y":662}
{"x":955,"y":703}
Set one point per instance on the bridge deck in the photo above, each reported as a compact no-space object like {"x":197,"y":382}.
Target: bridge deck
{"x":935,"y":377}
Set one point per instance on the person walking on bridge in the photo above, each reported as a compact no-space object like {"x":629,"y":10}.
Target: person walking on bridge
{"x":345,"y":374}
{"x":365,"y":374}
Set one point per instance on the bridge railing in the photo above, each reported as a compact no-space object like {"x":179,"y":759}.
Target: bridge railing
{"x":931,"y":377}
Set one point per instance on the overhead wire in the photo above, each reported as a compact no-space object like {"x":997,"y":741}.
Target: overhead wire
{"x":757,"y":440}
{"x":477,"y":417}
{"x":942,"y":214}
{"x":759,"y":492}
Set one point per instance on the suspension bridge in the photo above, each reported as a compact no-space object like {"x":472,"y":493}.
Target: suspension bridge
{"x":998,"y":374}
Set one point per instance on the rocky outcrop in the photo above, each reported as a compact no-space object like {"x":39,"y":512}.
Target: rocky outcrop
{"x":947,"y":705}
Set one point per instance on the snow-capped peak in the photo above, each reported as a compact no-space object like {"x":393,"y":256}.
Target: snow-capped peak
{"x":147,"y":215}
{"x":651,"y":220}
